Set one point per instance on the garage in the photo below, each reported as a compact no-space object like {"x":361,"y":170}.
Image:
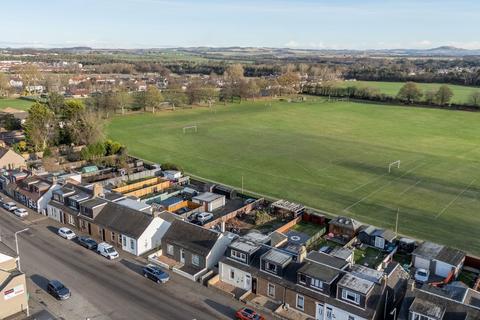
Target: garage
{"x":442,"y":269}
{"x":422,"y":263}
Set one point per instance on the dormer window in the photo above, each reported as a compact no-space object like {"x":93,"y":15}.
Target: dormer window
{"x":238,"y":255}
{"x":270,"y":267}
{"x":315,"y":283}
{"x":351,"y":296}
{"x":302,"y":279}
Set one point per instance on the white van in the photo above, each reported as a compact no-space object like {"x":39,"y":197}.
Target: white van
{"x":10,"y":206}
{"x":107,"y":250}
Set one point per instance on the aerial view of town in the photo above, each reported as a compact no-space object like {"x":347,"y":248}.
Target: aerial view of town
{"x":247,"y":160}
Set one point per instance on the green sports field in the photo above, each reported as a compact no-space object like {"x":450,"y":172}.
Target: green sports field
{"x":461,"y":94}
{"x":15,"y":104}
{"x":332,"y":156}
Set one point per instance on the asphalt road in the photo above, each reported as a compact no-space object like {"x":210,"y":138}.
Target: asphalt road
{"x":103,"y":289}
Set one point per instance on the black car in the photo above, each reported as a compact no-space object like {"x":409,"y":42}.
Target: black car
{"x":58,"y":290}
{"x":87,"y":242}
{"x":155,"y":273}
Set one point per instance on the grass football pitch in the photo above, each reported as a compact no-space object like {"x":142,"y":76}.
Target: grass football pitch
{"x":334,"y":157}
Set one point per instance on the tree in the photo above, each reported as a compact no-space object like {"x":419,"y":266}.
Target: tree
{"x":4,"y":85}
{"x":444,"y":95}
{"x":56,"y":102}
{"x":153,"y":98}
{"x":194,"y":91}
{"x":30,"y":75}
{"x":474,"y":98}
{"x":124,"y":100}
{"x":289,"y":82}
{"x":87,"y":127}
{"x":430,"y":97}
{"x":72,"y":109}
{"x":409,"y":92}
{"x":40,"y":126}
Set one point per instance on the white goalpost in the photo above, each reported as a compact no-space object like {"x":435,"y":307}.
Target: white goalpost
{"x":393,"y":164}
{"x":189,"y":128}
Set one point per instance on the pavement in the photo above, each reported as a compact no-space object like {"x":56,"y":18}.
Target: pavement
{"x":103,"y":289}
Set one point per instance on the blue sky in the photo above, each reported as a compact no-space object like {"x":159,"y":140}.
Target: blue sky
{"x":359,"y":24}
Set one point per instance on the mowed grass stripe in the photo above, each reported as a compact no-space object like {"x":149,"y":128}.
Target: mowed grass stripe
{"x":330,"y":156}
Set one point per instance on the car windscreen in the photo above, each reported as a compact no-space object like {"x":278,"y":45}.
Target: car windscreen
{"x":110,"y":250}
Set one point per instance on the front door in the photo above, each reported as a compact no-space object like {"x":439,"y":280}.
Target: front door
{"x":254,"y":285}
{"x":103,"y":234}
{"x":248,"y":282}
{"x":89,"y":228}
{"x":182,"y":256}
{"x":319,"y":312}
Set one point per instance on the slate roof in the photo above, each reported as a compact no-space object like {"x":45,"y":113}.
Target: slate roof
{"x":326,"y":259}
{"x":439,"y":252}
{"x":191,"y":237}
{"x":318,"y":271}
{"x":123,"y":220}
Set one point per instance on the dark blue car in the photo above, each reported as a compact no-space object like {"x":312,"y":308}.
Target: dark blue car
{"x":58,"y":290}
{"x":155,"y":273}
{"x":87,"y":242}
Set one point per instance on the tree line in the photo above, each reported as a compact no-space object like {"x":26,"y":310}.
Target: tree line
{"x":409,"y":93}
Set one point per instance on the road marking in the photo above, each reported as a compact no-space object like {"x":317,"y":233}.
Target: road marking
{"x":454,"y":199}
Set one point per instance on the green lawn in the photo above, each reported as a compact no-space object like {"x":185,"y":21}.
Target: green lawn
{"x":461,"y":94}
{"x":332,"y":156}
{"x":15,"y":103}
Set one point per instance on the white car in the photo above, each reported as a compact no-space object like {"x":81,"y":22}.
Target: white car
{"x":20,"y":212}
{"x":107,"y":250}
{"x":66,"y":233}
{"x":10,"y":206}
{"x":203,"y":217}
{"x":421,"y":275}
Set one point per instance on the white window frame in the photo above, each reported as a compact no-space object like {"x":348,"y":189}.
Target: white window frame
{"x":272,"y":287}
{"x":267,"y":264}
{"x":316,"y":283}
{"x":170,"y":249}
{"x":71,"y":220}
{"x":346,"y":293}
{"x":196,"y":260}
{"x":298,"y":306}
{"x":419,"y":316}
{"x":238,"y":255}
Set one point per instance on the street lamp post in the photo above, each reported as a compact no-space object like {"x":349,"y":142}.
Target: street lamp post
{"x":16,"y":247}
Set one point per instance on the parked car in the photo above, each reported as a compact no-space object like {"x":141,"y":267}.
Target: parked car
{"x":66,"y":233}
{"x":10,"y":206}
{"x":248,"y":314}
{"x":421,"y":275}
{"x":203,"y":217}
{"x":58,"y":290}
{"x":20,"y":212}
{"x":107,"y":250}
{"x":249,"y":200}
{"x":155,"y":273}
{"x":87,"y":242}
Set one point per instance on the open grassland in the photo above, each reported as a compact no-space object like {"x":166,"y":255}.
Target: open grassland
{"x":332,"y":156}
{"x":461,"y":94}
{"x":19,"y":104}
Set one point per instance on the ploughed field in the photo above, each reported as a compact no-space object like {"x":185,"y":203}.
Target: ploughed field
{"x":333,"y":156}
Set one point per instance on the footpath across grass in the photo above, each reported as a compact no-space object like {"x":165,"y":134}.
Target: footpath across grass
{"x":333,"y":156}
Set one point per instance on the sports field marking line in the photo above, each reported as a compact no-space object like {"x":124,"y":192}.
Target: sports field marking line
{"x":368,"y":182}
{"x":454,"y":199}
{"x":410,"y":187}
{"x":383,"y":187}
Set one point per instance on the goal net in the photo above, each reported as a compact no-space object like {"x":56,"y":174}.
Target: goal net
{"x":189,"y":129}
{"x":394,"y":164}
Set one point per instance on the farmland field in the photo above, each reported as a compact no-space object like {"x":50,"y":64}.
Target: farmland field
{"x":15,"y":103}
{"x":334,"y":157}
{"x":461,"y":94}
